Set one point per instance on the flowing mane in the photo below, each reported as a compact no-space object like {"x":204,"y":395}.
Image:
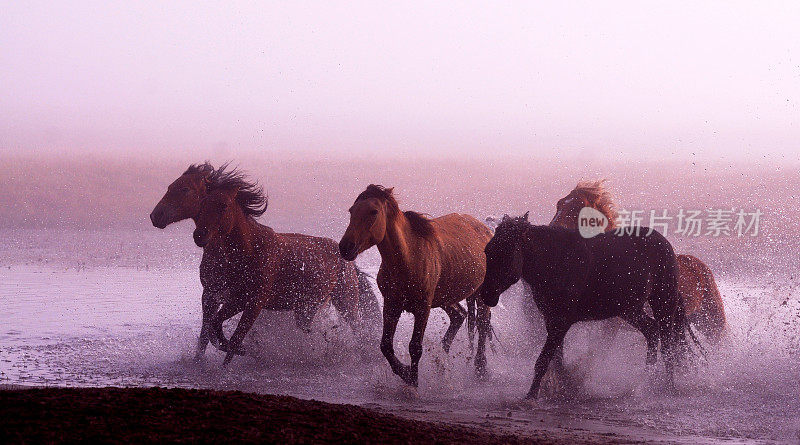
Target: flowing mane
{"x":202,"y":169}
{"x":600,"y":197}
{"x":420,"y":224}
{"x":511,"y":225}
{"x":250,"y":196}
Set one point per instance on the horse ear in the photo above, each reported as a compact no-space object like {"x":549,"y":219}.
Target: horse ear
{"x":525,"y":216}
{"x":505,"y":217}
{"x":207,"y":170}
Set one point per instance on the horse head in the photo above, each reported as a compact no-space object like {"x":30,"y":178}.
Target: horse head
{"x":369,"y":216}
{"x":592,"y":194}
{"x":503,"y":259}
{"x":183,"y":196}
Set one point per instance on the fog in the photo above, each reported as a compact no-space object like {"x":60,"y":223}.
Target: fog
{"x":618,"y":81}
{"x":312,"y":195}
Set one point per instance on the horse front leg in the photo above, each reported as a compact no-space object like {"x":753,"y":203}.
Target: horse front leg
{"x":245,"y":323}
{"x":410,"y":374}
{"x":229,"y":309}
{"x":391,"y":315}
{"x":555,"y":337}
{"x":484,"y":331}
{"x":210,"y":306}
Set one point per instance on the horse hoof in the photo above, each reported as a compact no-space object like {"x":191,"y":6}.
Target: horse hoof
{"x":227,"y":360}
{"x":409,"y":375}
{"x":480,"y":368}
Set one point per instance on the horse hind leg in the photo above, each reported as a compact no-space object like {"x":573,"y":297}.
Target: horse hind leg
{"x":671,"y":324}
{"x":457,"y":316}
{"x":305,"y":309}
{"x":649,"y":328}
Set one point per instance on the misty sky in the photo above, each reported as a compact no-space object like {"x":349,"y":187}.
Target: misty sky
{"x":705,"y":80}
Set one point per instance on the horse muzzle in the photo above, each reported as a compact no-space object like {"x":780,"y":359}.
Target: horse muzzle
{"x":489,"y":298}
{"x":159,"y":218}
{"x":200,"y":237}
{"x":348,"y":250}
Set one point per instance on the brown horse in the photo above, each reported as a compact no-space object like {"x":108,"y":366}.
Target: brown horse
{"x":185,"y":198}
{"x":701,"y":298}
{"x":425,"y":263}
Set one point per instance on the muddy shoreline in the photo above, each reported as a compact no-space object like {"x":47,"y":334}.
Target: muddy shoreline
{"x":182,"y":415}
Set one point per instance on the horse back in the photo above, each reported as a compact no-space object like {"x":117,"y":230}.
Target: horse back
{"x":309,"y":259}
{"x":624,"y":266}
{"x":627,"y":249}
{"x":303,"y":267}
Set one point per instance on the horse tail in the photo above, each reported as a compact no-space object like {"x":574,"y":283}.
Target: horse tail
{"x":682,"y":327}
{"x":712,"y":321}
{"x":367,"y":300}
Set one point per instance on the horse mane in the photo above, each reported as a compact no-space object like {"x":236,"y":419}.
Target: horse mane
{"x":600,"y":197}
{"x":250,"y":195}
{"x":202,"y":169}
{"x":420,"y":223}
{"x":512,"y":223}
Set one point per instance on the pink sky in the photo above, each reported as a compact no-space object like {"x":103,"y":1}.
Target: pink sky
{"x":704,"y":80}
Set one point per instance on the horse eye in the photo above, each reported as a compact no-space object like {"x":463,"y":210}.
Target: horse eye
{"x":185,"y":190}
{"x":373,"y":212}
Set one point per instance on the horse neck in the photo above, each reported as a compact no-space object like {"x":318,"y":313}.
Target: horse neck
{"x":245,"y":232}
{"x":545,"y":245}
{"x":398,"y":242}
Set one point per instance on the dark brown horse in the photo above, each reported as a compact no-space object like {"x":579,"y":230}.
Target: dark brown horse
{"x":425,"y":263}
{"x":701,"y":297}
{"x":577,"y":279}
{"x":218,"y":269}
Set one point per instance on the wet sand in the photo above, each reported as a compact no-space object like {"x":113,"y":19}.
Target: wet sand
{"x":185,"y":415}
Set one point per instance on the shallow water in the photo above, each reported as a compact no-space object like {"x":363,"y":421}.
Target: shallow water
{"x":120,"y":320}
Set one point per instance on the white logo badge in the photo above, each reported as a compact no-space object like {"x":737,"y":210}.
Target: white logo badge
{"x":591,"y":222}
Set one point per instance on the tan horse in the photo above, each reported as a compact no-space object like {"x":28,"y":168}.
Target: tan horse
{"x":425,"y":263}
{"x":702,"y":300}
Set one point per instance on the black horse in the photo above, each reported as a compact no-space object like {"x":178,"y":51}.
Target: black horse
{"x":578,"y":279}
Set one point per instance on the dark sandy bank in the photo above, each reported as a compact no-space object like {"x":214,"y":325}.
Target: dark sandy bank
{"x":180,"y":415}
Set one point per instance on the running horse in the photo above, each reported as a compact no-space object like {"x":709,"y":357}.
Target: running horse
{"x":425,"y":263}
{"x":696,"y":285}
{"x":200,"y":187}
{"x":578,"y":279}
